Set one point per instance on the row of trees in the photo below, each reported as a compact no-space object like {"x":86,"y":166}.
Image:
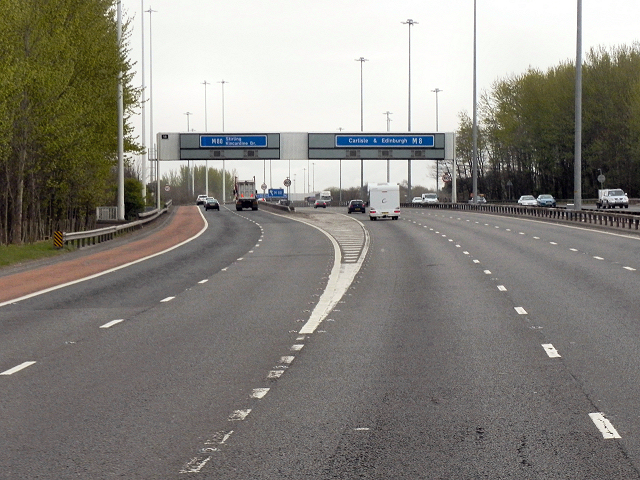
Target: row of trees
{"x":526,"y":130}
{"x":59,"y":65}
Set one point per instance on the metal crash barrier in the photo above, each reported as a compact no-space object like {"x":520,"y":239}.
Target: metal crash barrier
{"x":622,"y":221}
{"x":93,"y":237}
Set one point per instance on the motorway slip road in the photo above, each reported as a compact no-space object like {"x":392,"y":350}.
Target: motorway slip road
{"x":185,"y":222}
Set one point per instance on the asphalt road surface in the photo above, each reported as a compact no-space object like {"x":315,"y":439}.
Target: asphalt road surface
{"x":323,"y":345}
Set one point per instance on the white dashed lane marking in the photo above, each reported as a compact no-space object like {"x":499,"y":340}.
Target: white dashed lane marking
{"x":17,"y":368}
{"x":551,"y":351}
{"x":604,"y":425}
{"x":112,"y":323}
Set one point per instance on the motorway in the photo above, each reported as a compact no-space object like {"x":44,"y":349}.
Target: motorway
{"x":323,"y":345}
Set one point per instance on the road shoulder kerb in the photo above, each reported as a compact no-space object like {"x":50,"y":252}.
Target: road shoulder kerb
{"x":186,"y":223}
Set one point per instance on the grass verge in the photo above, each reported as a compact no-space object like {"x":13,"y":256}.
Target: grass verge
{"x":15,"y":254}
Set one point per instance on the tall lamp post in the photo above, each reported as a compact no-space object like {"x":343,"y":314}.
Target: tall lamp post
{"x":577,"y":166}
{"x":222,"y":82}
{"x":151,"y":139}
{"x":387,"y":113}
{"x":191,"y":190}
{"x":361,"y":60}
{"x":120,"y":123}
{"x":409,"y":22}
{"x":436,"y":91}
{"x":224,"y":170}
{"x":475,"y":111}
{"x":143,"y":133}
{"x":206,"y":129}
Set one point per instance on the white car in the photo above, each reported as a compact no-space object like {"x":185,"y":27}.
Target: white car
{"x":528,"y":200}
{"x":201,"y":199}
{"x":416,"y":200}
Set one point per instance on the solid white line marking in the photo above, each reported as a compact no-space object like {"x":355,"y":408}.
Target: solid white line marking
{"x":259,"y":392}
{"x":204,"y":281}
{"x":551,"y":351}
{"x":520,"y":310}
{"x":112,"y":323}
{"x":168,"y":299}
{"x":239,"y":415}
{"x":502,"y":288}
{"x":17,"y":368}
{"x":604,"y":425}
{"x":631,"y":269}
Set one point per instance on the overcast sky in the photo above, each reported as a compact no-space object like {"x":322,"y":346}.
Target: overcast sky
{"x":291,"y":66}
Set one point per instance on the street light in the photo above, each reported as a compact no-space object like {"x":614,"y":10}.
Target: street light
{"x":410,"y":23}
{"x":222,"y":82}
{"x":387,"y":113}
{"x":205,"y":83}
{"x":206,"y":162}
{"x":436,"y":91}
{"x":361,"y":60}
{"x":474,"y":135}
{"x":144,"y":121}
{"x":224,"y":170}
{"x":188,"y":114}
{"x":151,"y":142}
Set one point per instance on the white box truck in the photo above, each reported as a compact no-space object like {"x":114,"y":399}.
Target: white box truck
{"x":384,"y":201}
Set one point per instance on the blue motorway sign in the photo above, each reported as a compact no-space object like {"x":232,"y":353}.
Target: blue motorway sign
{"x":385,"y":141}
{"x":233,"y":141}
{"x":276,"y":192}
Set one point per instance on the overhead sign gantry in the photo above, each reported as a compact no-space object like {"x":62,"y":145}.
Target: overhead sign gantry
{"x":381,"y":146}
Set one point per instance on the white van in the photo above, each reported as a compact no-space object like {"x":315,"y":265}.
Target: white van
{"x":384,"y":201}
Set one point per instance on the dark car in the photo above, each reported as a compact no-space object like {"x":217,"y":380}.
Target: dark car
{"x":212,"y":203}
{"x":320,"y":203}
{"x":356,"y":206}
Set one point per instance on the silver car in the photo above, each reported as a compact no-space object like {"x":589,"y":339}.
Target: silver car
{"x":528,"y":200}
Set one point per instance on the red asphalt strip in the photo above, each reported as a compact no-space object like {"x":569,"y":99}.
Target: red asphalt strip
{"x":186,"y":223}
